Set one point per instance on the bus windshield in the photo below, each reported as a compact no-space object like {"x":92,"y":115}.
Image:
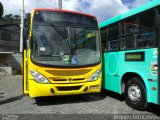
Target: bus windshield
{"x":57,"y":45}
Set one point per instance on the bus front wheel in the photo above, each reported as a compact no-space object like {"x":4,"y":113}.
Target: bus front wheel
{"x":135,"y":94}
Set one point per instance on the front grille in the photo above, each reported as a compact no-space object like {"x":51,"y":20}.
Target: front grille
{"x":78,"y":79}
{"x":70,"y":88}
{"x":59,"y":80}
{"x":69,"y":79}
{"x":68,"y":72}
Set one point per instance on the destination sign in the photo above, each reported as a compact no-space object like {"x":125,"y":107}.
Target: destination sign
{"x":135,"y":56}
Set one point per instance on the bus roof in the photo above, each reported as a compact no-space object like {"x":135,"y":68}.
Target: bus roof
{"x":68,"y":11}
{"x":137,"y":10}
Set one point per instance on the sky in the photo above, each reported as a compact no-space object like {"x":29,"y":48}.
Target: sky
{"x":102,"y":9}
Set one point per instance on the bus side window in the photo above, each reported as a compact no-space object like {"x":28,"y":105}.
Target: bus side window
{"x":112,"y":38}
{"x":104,"y":39}
{"x":129,"y":41}
{"x":138,"y":32}
{"x":146,"y":36}
{"x":113,"y":45}
{"x":129,"y":37}
{"x":123,"y":44}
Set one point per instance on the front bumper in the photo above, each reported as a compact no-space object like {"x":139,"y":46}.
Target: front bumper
{"x":39,"y":90}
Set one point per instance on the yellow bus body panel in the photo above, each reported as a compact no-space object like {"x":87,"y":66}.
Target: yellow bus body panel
{"x":25,"y":72}
{"x":38,"y":90}
{"x":63,"y":81}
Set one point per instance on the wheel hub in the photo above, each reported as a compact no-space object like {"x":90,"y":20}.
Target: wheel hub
{"x":134,"y":93}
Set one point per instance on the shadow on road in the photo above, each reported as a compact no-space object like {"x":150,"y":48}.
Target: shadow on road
{"x":9,"y":100}
{"x":155,"y":109}
{"x":114,"y":95}
{"x":1,"y":95}
{"x":55,"y":100}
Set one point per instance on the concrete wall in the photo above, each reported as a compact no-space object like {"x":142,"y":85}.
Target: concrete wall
{"x":14,"y":61}
{"x":9,"y":38}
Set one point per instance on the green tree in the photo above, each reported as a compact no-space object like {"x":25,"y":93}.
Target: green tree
{"x":28,"y":15}
{"x":27,"y":19}
{"x":1,"y":10}
{"x":16,"y":17}
{"x":8,"y":17}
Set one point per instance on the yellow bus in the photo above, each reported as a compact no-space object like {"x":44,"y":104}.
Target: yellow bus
{"x":62,"y":54}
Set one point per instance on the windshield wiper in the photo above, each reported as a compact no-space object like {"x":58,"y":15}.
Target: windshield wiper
{"x":58,"y":30}
{"x":83,"y":31}
{"x":65,"y":35}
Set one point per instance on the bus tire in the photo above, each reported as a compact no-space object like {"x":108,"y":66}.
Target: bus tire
{"x":135,"y":94}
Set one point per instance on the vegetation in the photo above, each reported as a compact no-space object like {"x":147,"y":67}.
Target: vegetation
{"x":10,"y":18}
{"x":13,"y":19}
{"x":1,"y":10}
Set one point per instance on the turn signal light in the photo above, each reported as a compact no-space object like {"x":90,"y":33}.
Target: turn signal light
{"x":153,"y":88}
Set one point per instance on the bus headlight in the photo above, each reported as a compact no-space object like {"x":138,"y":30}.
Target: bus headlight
{"x":38,"y":77}
{"x":95,"y":76}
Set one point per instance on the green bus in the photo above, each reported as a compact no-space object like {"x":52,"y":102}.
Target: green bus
{"x":130,"y":45}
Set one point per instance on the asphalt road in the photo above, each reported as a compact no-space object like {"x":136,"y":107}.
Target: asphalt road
{"x":13,"y":102}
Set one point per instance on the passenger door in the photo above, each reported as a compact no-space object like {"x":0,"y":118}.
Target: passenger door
{"x":111,"y":76}
{"x":25,"y":62}
{"x":110,"y":60}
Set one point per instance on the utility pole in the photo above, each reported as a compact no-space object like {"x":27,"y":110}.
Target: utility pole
{"x":56,"y":4}
{"x":22,"y":26}
{"x":60,"y":4}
